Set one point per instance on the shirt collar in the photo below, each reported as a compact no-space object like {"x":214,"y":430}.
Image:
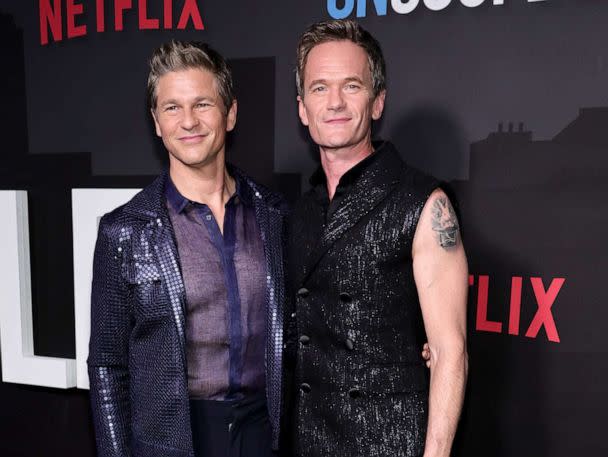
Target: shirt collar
{"x":179,"y":203}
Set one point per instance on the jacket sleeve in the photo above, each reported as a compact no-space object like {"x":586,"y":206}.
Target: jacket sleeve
{"x":289,"y":350}
{"x":111,"y":324}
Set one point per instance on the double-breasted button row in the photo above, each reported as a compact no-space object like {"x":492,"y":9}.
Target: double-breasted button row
{"x":354,"y":392}
{"x":345,"y":297}
{"x":305,"y":339}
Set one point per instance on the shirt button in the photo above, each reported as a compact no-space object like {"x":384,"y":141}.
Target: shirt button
{"x":305,"y":387}
{"x":293,"y":315}
{"x":208,"y":217}
{"x":303,"y":292}
{"x":345,"y":298}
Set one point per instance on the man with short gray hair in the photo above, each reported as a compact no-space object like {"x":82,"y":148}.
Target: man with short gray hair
{"x":376,"y":266}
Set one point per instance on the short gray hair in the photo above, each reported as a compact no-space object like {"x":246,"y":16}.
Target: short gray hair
{"x":339,"y":30}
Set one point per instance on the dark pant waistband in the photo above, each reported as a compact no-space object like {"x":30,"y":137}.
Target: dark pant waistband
{"x":226,"y":427}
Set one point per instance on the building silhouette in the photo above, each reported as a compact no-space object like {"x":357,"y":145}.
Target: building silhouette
{"x":574,"y":158}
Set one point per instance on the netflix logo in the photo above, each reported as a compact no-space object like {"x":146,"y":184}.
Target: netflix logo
{"x":65,"y":18}
{"x":544,"y":293}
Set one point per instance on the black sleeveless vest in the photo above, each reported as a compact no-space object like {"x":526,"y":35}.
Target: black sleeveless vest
{"x":362,"y":387}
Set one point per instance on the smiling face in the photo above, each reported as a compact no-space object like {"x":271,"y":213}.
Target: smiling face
{"x":191,"y":119}
{"x":338,"y":103}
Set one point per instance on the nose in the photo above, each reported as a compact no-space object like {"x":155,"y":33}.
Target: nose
{"x":335,"y":99}
{"x":189,"y":121}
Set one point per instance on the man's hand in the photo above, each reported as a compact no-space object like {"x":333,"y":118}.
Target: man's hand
{"x":426,"y":355}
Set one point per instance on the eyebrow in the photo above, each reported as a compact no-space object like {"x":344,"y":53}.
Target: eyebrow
{"x":346,"y":80}
{"x":173,"y":101}
{"x":354,"y":79}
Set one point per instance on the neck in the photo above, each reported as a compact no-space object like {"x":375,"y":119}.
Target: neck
{"x":210,"y":185}
{"x":337,"y":162}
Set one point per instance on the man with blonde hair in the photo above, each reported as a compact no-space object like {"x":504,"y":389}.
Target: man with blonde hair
{"x":186,"y":341}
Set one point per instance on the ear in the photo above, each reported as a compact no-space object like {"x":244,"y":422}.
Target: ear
{"x":156,"y":124}
{"x":302,"y":111}
{"x":231,"y":116}
{"x":378,"y":105}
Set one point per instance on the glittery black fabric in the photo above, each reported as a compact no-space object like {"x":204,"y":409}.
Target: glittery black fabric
{"x":362,"y":384}
{"x":137,"y":363}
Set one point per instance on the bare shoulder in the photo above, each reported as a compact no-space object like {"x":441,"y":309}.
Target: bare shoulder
{"x":439,"y":259}
{"x":438,"y":224}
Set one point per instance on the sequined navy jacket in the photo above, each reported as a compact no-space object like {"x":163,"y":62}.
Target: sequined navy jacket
{"x":362,"y":384}
{"x":137,"y":363}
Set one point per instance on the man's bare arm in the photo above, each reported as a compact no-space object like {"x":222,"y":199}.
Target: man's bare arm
{"x":441,"y":273}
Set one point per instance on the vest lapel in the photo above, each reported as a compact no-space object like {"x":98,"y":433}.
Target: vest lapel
{"x":369,"y":190}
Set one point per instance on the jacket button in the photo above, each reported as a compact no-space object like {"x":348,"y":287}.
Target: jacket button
{"x":304,"y":339}
{"x":305,"y":387}
{"x":349,"y":344}
{"x":293,"y":315}
{"x":303,"y":292}
{"x":354,"y":393}
{"x":345,"y":298}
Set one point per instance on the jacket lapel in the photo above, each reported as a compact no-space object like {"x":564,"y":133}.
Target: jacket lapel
{"x":149,"y":205}
{"x":269,"y":215}
{"x":168,"y":259}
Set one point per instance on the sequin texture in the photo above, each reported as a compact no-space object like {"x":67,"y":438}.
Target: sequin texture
{"x":137,"y":363}
{"x":363,"y":386}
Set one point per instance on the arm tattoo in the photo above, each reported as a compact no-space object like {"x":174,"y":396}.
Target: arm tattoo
{"x":445,"y":223}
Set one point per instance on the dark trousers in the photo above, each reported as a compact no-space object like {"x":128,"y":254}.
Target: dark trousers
{"x":238,"y":428}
